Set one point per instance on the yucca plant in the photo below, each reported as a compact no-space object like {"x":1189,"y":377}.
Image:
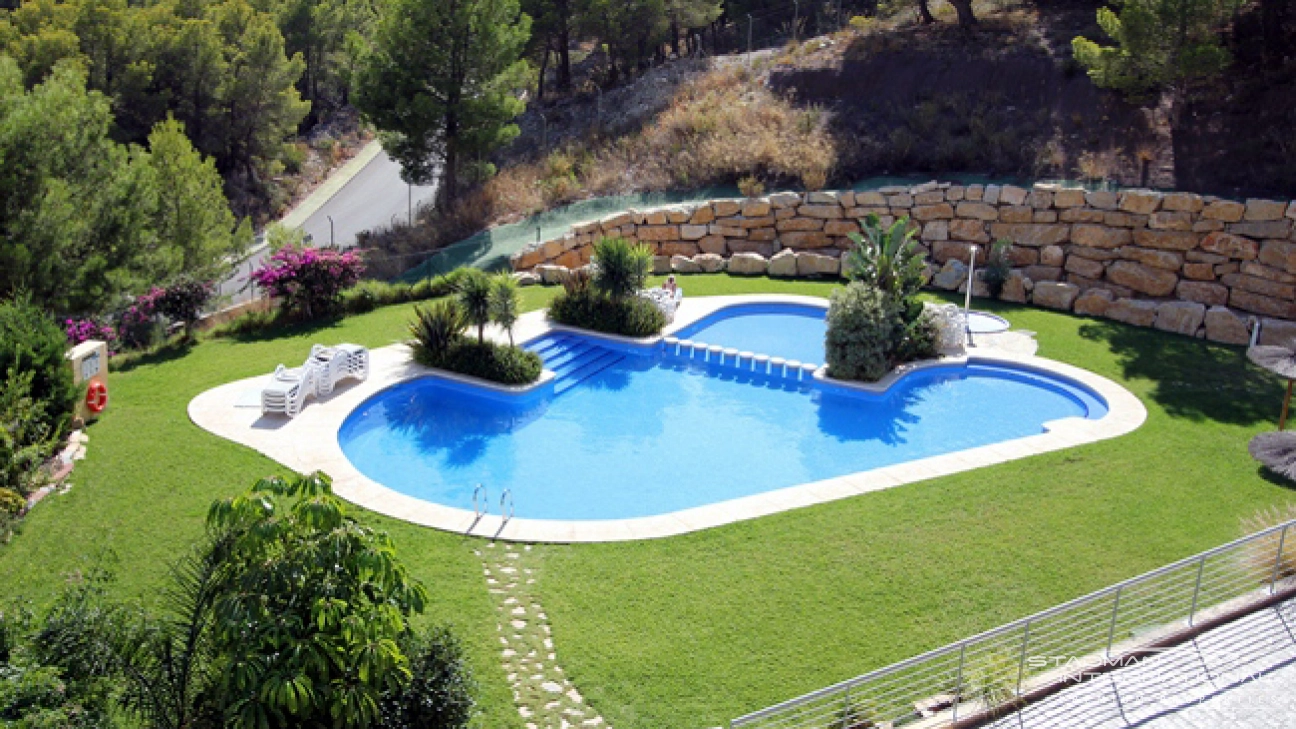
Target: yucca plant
{"x":621,"y":267}
{"x":474,"y":295}
{"x":435,"y":329}
{"x":886,"y":259}
{"x":505,"y":302}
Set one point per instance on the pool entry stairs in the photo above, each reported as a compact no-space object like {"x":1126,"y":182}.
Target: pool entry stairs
{"x":573,"y":359}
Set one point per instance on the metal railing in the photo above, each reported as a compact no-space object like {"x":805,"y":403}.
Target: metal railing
{"x":981,"y":673}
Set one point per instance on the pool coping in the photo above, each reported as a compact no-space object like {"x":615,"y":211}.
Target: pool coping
{"x":309,"y":442}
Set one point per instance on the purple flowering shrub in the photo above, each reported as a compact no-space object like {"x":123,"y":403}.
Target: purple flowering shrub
{"x":83,"y":330}
{"x":137,"y":324}
{"x":183,"y":302}
{"x":309,"y":281}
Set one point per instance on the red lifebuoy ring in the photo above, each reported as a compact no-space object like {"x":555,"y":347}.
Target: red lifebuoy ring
{"x":96,"y":397}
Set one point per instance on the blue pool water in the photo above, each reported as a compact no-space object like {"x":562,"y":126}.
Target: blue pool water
{"x":626,"y":432}
{"x":790,"y":331}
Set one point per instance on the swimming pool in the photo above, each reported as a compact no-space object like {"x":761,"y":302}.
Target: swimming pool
{"x":790,"y":331}
{"x":628,"y":431}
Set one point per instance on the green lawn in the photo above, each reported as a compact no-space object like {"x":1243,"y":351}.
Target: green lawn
{"x":690,"y":631}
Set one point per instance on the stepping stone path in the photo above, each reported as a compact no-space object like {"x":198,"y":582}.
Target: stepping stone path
{"x":544,"y":696}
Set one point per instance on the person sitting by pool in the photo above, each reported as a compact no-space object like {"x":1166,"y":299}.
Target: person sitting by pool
{"x":670,"y":285}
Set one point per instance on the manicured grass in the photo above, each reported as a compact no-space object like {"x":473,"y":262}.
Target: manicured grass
{"x":690,"y":631}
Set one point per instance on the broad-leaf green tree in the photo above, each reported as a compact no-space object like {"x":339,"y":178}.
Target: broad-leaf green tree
{"x":439,"y":83}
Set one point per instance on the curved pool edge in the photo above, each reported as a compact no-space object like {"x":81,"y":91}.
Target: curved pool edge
{"x":309,"y":443}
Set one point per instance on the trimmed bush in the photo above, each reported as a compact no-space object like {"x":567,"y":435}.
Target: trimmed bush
{"x":620,"y":267}
{"x":309,"y":281}
{"x":439,"y":342}
{"x":868,"y":334}
{"x":32,"y":342}
{"x":440,"y":694}
{"x":587,"y":309}
{"x":490,"y":361}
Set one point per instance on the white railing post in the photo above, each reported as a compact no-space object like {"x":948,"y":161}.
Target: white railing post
{"x":958,"y":682}
{"x":1021,"y":665}
{"x":1111,"y":629}
{"x":1192,"y":612}
{"x":1273,"y":577}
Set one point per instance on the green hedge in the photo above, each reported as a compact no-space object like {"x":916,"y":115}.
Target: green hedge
{"x":588,"y":309}
{"x":485,"y":360}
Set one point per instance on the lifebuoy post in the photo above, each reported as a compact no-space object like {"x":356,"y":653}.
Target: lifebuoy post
{"x":89,"y":363}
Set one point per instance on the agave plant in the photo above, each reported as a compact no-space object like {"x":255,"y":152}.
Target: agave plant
{"x":474,"y":295}
{"x":621,"y":267}
{"x":435,"y":328}
{"x":504,"y":302}
{"x":886,"y":258}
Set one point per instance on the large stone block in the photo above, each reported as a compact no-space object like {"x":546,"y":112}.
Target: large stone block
{"x":1100,"y":236}
{"x":1226,"y":327}
{"x":1043,"y":273}
{"x":709,"y":262}
{"x":977,"y":211}
{"x":902,"y":200}
{"x":1054,"y":295}
{"x":692,"y":232}
{"x":969,"y":230}
{"x":951,"y":275}
{"x":1125,"y":220}
{"x":658,"y":233}
{"x":1152,"y":257}
{"x":616,"y":220}
{"x":814,"y":264}
{"x":783,"y":264}
{"x":1012,"y":195}
{"x":1186,"y":202}
{"x":1081,"y":215}
{"x":764,"y":248}
{"x":1039,"y":199}
{"x":1208,"y":226}
{"x":1278,"y":254}
{"x":703,"y":215}
{"x":1251,"y":268}
{"x":826,"y":212}
{"x":684,"y":264}
{"x":1231,"y":246}
{"x":943,"y":251}
{"x":1261,"y":304}
{"x":1260,"y":210}
{"x":1132,"y":311}
{"x":1168,"y":240}
{"x":656,"y":217}
{"x":1225,"y":210}
{"x":1140,"y":202}
{"x":661,"y":265}
{"x":1084,"y":267}
{"x":870,"y":199}
{"x":1102,"y":200}
{"x":1268,"y":229}
{"x":1072,"y":197}
{"x":794,"y":224}
{"x":728,"y":231}
{"x":806,"y":239}
{"x":712,"y":244}
{"x":528,"y":259}
{"x":938,"y":211}
{"x":678,"y":248}
{"x":1093,"y":302}
{"x":1144,"y":279}
{"x":1036,"y":236}
{"x":755,"y":208}
{"x":766,"y":221}
{"x":551,"y":274}
{"x":1016,"y":288}
{"x":1170,"y":221}
{"x":748,"y":264}
{"x":822,"y":197}
{"x":1097,"y":254}
{"x":1019,"y":256}
{"x":930,"y":197}
{"x":1259,"y":285}
{"x":726,"y":208}
{"x":841,"y":227}
{"x":765,"y":234}
{"x":1016,"y":214}
{"x":1199,"y":271}
{"x":781,"y":200}
{"x":1180,"y":317}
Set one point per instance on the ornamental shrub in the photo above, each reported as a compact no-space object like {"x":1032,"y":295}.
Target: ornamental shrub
{"x":25,"y":441}
{"x":868,"y":334}
{"x":138,"y":326}
{"x":182,"y":302}
{"x":84,"y":330}
{"x":620,"y":267}
{"x":583,"y":307}
{"x":11,"y":502}
{"x":441,"y":693}
{"x":309,"y":281}
{"x":438,"y":341}
{"x":31,"y":341}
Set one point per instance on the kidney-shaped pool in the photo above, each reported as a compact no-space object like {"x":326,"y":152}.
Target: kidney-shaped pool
{"x":625,"y":431}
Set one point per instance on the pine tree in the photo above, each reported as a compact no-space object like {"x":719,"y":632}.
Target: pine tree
{"x":439,"y":84}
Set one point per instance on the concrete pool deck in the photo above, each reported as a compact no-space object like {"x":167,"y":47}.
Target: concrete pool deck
{"x":309,"y":442}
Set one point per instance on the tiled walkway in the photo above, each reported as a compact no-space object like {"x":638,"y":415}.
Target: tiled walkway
{"x":1240,"y":675}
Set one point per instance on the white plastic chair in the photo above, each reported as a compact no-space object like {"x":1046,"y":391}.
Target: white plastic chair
{"x":287,"y":393}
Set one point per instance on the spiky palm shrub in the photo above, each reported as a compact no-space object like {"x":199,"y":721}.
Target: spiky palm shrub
{"x":435,"y":329}
{"x":474,"y":294}
{"x":621,"y":267}
{"x":889,"y":260}
{"x":505,"y":302}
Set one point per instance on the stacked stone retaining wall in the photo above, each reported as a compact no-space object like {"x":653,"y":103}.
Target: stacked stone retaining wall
{"x":1197,"y":265}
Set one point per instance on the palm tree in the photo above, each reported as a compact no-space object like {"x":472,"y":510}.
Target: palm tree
{"x":505,"y":301}
{"x":886,"y":258}
{"x":621,"y":267}
{"x":474,"y":293}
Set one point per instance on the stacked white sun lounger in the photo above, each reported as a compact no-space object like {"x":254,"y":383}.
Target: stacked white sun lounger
{"x":319,"y":374}
{"x":665,"y":300}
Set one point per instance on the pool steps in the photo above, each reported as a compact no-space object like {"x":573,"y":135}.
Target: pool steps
{"x":574,"y":359}
{"x":730,"y":358}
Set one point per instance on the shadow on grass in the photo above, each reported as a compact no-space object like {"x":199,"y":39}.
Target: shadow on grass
{"x":1194,"y":379}
{"x":171,"y":350}
{"x":267,"y":329}
{"x":1275,"y":478}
